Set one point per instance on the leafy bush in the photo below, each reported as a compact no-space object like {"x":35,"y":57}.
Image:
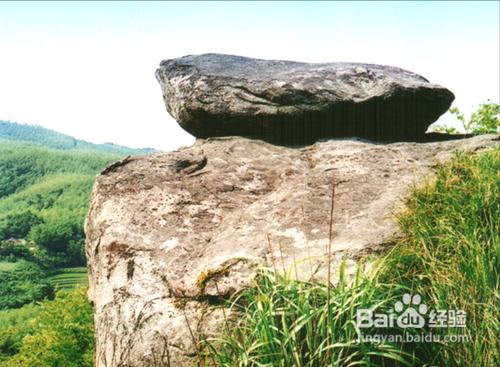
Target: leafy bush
{"x":25,"y":283}
{"x":444,"y":129}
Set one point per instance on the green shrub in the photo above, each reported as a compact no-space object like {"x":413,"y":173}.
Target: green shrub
{"x":12,"y":251}
{"x":444,"y":129}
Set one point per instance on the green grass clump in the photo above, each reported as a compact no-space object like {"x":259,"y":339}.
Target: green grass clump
{"x":449,"y":255}
{"x":282,"y":322}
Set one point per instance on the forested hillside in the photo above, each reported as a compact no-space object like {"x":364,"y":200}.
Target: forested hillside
{"x":52,"y":139}
{"x":45,"y":182}
{"x":43,"y":200}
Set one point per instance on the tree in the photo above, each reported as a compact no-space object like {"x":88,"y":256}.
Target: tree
{"x":62,"y":334}
{"x":26,"y":283}
{"x":55,"y":235}
{"x":486,"y":120}
{"x":18,"y":225}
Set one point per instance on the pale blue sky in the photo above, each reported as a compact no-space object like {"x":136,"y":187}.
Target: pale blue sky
{"x":87,"y":69}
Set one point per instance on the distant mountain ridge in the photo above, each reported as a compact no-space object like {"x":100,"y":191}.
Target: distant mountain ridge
{"x":36,"y":134}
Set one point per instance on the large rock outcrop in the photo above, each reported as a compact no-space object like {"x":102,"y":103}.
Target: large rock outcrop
{"x":292,"y":103}
{"x":171,"y":233}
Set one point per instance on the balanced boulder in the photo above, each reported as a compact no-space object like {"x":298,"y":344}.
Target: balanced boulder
{"x":293,"y":103}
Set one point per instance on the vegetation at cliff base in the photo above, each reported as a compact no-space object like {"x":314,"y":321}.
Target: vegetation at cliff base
{"x":449,"y":257}
{"x":55,"y":333}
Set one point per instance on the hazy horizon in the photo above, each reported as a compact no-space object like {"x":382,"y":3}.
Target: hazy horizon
{"x":86,"y":69}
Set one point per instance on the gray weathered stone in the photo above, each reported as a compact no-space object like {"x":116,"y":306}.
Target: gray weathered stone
{"x":169,"y":231}
{"x":291,"y":103}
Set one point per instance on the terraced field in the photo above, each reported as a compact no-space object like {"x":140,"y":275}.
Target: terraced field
{"x":68,"y":278}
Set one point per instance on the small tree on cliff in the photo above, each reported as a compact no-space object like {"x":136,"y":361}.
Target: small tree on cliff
{"x":486,"y":120}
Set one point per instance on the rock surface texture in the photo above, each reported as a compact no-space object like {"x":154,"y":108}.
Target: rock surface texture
{"x":292,"y":103}
{"x":171,"y":233}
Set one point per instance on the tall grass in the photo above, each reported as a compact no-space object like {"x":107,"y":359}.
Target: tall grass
{"x":449,"y":255}
{"x":285,"y":323}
